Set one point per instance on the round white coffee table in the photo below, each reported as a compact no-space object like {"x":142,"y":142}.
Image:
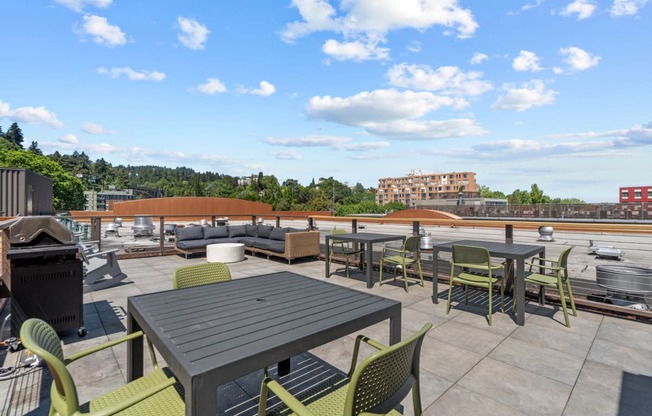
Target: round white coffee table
{"x":224,"y":252}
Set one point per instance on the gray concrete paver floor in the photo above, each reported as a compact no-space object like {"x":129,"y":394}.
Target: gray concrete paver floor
{"x":601,"y":365}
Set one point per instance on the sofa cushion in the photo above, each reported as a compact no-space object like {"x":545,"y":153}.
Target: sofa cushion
{"x":216,"y":232}
{"x":264,"y":231}
{"x":190,"y":244}
{"x":189,"y":233}
{"x":278,"y":234}
{"x":271,"y":245}
{"x":247,"y":241}
{"x":237,"y":231}
{"x":224,"y":240}
{"x":251,"y":230}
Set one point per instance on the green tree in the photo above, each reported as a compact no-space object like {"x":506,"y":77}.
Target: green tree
{"x":67,"y":190}
{"x":34,"y":148}
{"x":15,"y":135}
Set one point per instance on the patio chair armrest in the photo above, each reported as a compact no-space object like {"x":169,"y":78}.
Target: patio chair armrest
{"x":135,"y":399}
{"x":356,"y":350}
{"x":286,"y":397}
{"x":543,"y":266}
{"x":395,"y":251}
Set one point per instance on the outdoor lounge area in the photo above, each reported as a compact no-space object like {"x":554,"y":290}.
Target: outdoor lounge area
{"x":599,"y":366}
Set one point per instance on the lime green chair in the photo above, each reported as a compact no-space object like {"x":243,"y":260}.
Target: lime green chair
{"x":157,"y":393}
{"x":376,"y":386}
{"x":200,"y":274}
{"x":477,"y":271}
{"x":408,"y":255}
{"x":558,"y":279}
{"x":346,"y":249}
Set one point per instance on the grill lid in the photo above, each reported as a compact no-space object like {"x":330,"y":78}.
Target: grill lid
{"x":36,"y":231}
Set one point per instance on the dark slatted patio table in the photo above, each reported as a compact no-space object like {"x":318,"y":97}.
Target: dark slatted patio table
{"x":212,"y":334}
{"x":518,"y":252}
{"x":368,"y":239}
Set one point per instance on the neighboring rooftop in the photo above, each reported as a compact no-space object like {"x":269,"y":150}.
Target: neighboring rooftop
{"x":599,"y":366}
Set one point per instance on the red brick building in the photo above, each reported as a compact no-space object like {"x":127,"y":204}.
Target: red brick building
{"x":635,"y":194}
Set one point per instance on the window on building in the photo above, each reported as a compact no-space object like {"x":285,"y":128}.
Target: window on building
{"x":649,"y":193}
{"x":624,"y":194}
{"x":637,"y":194}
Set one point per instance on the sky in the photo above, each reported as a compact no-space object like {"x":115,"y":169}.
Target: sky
{"x":549,"y":92}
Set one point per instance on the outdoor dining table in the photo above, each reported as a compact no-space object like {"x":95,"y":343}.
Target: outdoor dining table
{"x":508,"y":251}
{"x":368,"y":240}
{"x":212,"y":334}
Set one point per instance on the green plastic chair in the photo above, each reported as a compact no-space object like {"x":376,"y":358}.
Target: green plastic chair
{"x":477,"y":271}
{"x":558,"y":279}
{"x":157,"y":393}
{"x":200,"y":274}
{"x":376,"y":386}
{"x":408,"y":255}
{"x":346,"y":249}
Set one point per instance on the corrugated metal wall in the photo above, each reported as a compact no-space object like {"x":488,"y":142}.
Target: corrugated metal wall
{"x":23,"y":192}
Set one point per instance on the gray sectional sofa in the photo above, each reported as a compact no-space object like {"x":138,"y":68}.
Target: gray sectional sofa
{"x":284,"y":242}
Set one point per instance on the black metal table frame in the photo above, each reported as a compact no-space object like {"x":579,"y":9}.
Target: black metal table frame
{"x":368,"y":240}
{"x":508,"y":251}
{"x":209,"y":335}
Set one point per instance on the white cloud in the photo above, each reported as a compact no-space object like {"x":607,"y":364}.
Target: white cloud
{"x":211,"y":86}
{"x":364,"y":23}
{"x":579,"y":59}
{"x":193,"y":34}
{"x":265,"y":89}
{"x":448,"y":80}
{"x":355,"y":51}
{"x":92,"y":128}
{"x":69,"y":139}
{"x":131,"y":74}
{"x":333,"y":142}
{"x":478,"y":58}
{"x":394,"y":114}
{"x":287,"y":155}
{"x":29,"y":115}
{"x":626,"y":7}
{"x":414,"y":46}
{"x":377,"y":105}
{"x":526,"y":61}
{"x":414,"y":130}
{"x":78,"y":5}
{"x":529,"y":95}
{"x":101,"y":31}
{"x":582,"y":8}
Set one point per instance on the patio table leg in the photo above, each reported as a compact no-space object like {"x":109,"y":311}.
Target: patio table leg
{"x":134,"y":351}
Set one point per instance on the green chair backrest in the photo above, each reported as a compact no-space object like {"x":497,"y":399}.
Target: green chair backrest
{"x":412,"y":244}
{"x":200,"y":274}
{"x":470,"y":255}
{"x":563,"y":257}
{"x":41,"y":339}
{"x":382,"y":380}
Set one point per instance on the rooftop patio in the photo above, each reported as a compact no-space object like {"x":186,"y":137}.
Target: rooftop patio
{"x":599,"y":366}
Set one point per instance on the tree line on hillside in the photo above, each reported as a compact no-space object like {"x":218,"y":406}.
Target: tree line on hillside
{"x":75,"y":173}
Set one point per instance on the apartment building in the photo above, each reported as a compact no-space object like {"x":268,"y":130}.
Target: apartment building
{"x":634,"y":194}
{"x":418,"y":185}
{"x":101,"y":201}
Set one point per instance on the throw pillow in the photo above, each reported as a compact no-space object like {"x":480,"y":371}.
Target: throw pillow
{"x":252,"y":230}
{"x":237,"y":231}
{"x":264,"y":231}
{"x":278,"y":234}
{"x":189,"y":233}
{"x":216,"y":232}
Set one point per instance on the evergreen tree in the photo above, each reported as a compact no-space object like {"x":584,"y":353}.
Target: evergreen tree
{"x":34,"y":148}
{"x":15,"y":135}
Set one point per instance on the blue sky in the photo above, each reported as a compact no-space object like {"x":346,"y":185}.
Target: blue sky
{"x":555,"y":93}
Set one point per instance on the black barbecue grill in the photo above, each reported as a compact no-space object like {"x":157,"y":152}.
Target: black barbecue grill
{"x":45,"y":278}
